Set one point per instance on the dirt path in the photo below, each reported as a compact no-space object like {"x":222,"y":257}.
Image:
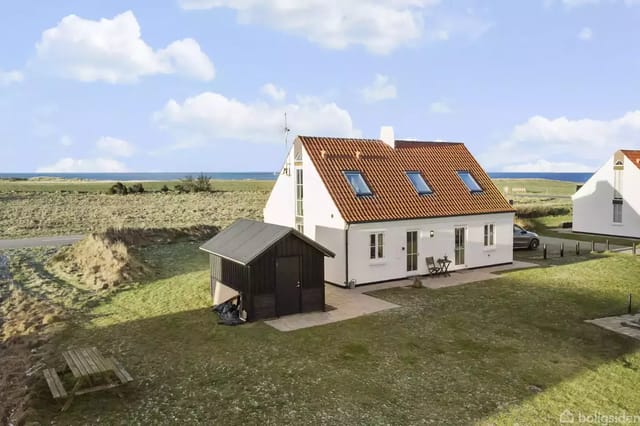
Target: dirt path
{"x":57,"y":241}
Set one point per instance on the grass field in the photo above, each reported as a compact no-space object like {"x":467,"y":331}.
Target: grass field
{"x":63,"y":185}
{"x":511,"y":350}
{"x":44,"y":213}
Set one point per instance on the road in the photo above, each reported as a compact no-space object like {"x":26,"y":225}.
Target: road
{"x":63,"y":240}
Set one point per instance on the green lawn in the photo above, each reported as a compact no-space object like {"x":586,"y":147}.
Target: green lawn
{"x":538,"y":186}
{"x":450,"y":356}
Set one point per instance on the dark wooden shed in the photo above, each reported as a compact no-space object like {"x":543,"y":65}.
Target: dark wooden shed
{"x":274,"y":269}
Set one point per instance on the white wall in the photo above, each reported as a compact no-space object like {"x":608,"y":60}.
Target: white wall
{"x":280,"y":207}
{"x":593,"y":203}
{"x":333,"y":239}
{"x":393,"y":266}
{"x":318,"y":206}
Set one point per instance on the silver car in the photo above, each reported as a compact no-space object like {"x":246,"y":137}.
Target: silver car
{"x":524,"y":239}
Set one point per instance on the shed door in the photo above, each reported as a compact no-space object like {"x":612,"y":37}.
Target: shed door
{"x":288,"y":289}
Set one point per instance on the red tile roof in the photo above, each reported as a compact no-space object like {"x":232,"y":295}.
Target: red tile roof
{"x":394,"y":197}
{"x":632,"y":155}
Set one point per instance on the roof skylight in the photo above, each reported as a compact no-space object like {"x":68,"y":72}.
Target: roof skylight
{"x":358,"y":183}
{"x":421,"y":186}
{"x":468,"y":180}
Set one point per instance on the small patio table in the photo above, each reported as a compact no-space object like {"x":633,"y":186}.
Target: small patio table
{"x":444,"y":265}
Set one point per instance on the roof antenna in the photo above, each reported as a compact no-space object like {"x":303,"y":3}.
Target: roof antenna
{"x":286,"y":130}
{"x":287,"y":166}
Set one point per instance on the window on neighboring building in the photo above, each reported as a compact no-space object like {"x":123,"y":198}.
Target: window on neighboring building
{"x":419,"y":183}
{"x":617,"y":211}
{"x":299,"y":193}
{"x":469,"y":181}
{"x":357,"y":182}
{"x":376,"y":245}
{"x":299,"y":226}
{"x":489,"y":235}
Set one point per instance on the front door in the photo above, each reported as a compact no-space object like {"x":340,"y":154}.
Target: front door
{"x":460,"y":245}
{"x":288,"y":289}
{"x":412,"y":251}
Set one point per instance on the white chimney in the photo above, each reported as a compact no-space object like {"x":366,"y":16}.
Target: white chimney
{"x":387,"y":136}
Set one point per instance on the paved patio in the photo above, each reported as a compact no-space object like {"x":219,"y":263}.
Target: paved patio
{"x":352,"y":303}
{"x":615,"y":324}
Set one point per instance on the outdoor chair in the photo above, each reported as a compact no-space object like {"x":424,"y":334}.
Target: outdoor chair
{"x":432,"y":267}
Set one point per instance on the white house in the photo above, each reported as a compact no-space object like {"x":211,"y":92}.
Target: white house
{"x":383,"y":206}
{"x":609,"y":202}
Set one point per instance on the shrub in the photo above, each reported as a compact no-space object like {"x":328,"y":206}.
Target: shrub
{"x":136,"y":189}
{"x":164,"y":188}
{"x":541,"y":210}
{"x":202,"y":183}
{"x":118,"y":188}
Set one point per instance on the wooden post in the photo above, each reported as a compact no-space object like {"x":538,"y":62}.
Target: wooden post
{"x":578,"y":248}
{"x":593,"y":246}
{"x":608,"y":245}
{"x":544,"y":251}
{"x":629,"y":304}
{"x":633,"y":248}
{"x":561,"y":249}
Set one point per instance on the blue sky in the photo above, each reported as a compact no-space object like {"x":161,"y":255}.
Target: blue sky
{"x":190,"y":85}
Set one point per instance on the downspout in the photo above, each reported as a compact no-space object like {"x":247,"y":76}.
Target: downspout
{"x":346,"y":256}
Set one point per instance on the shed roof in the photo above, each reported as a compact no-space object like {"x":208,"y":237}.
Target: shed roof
{"x":245,"y":240}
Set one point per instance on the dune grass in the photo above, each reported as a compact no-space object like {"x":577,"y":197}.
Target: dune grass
{"x":84,"y":186}
{"x":506,"y":351}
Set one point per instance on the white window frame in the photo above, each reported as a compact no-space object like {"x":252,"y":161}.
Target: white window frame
{"x":299,"y":192}
{"x":489,"y":236}
{"x":377,"y":245}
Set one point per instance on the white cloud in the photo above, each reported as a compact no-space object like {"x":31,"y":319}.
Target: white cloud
{"x":115,"y":147}
{"x":86,"y":165}
{"x":440,"y":107}
{"x":274,"y":92}
{"x":65,"y":140}
{"x":563,"y":144}
{"x":113,"y":50}
{"x":572,"y":4}
{"x":379,"y":90}
{"x":211,"y":117}
{"x":585,"y":34}
{"x":381,"y":26}
{"x":10,"y":77}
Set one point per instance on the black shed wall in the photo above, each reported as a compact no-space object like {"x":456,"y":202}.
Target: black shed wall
{"x":257,"y":281}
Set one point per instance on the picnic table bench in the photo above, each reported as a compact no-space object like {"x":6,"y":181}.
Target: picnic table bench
{"x":92,"y":373}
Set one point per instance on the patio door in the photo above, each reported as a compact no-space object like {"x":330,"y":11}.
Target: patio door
{"x":460,"y":238}
{"x":412,"y":251}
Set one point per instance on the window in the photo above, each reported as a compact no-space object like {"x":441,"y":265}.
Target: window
{"x":469,"y":181}
{"x":419,"y":183}
{"x":490,"y":235}
{"x":358,"y":183}
{"x":617,"y":184}
{"x":299,"y":193}
{"x":376,"y":246}
{"x":299,"y":226}
{"x":617,"y":211}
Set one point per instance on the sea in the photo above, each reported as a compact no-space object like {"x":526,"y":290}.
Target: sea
{"x":167,"y":176}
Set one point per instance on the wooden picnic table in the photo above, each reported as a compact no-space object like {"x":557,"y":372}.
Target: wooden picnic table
{"x":92,"y":373}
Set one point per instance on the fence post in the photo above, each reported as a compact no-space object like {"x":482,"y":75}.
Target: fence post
{"x":633,"y":248}
{"x":629,"y":304}
{"x":544,"y":251}
{"x":593,"y":246}
{"x":578,"y":248}
{"x":561,"y":249}
{"x":608,"y":245}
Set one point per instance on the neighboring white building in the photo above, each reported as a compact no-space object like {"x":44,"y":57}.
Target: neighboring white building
{"x":383,"y":206}
{"x":609,"y":202}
